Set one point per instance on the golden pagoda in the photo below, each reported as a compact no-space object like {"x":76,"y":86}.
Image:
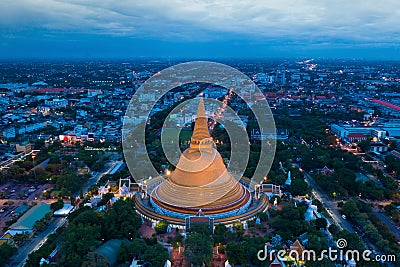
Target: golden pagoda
{"x":200,"y":180}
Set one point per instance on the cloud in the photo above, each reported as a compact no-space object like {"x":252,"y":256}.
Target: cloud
{"x":357,"y":21}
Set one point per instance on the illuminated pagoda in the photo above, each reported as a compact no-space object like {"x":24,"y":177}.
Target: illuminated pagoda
{"x":200,"y":184}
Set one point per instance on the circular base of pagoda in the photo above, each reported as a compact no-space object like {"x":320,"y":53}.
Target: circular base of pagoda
{"x":146,"y":209}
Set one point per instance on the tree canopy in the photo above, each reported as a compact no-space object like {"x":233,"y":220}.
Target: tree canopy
{"x":199,"y":249}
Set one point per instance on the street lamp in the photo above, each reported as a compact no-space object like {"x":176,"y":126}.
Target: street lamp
{"x":34,"y":169}
{"x":334,"y":195}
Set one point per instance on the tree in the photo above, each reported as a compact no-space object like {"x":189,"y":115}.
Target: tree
{"x":235,"y":253}
{"x":93,"y":259}
{"x":238,"y":226}
{"x":54,"y":168}
{"x":263,"y":215}
{"x":41,"y":175}
{"x":161,"y":227}
{"x":15,"y":172}
{"x":320,"y":223}
{"x":364,"y":145}
{"x":244,"y":252}
{"x":391,"y":210}
{"x":200,"y":228}
{"x":350,"y":208}
{"x":6,"y":252}
{"x":20,"y":237}
{"x":199,"y":249}
{"x":43,"y":252}
{"x":289,"y":221}
{"x":220,"y":234}
{"x":40,"y":226}
{"x":121,"y":221}
{"x":89,"y":217}
{"x":343,"y":179}
{"x":68,"y":182}
{"x":57,"y":205}
{"x":333,"y":229}
{"x":98,"y":166}
{"x":156,"y":255}
{"x":105,"y":199}
{"x":137,"y":248}
{"x":299,"y":187}
{"x":153,"y":253}
{"x":393,"y":165}
{"x":76,"y":242}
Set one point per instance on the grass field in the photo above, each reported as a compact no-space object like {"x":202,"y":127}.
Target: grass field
{"x":184,"y":135}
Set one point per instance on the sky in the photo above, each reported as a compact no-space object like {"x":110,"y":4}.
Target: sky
{"x":199,"y":29}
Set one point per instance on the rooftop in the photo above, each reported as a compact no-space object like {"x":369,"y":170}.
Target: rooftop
{"x":110,"y":249}
{"x":28,"y":220}
{"x":386,"y":104}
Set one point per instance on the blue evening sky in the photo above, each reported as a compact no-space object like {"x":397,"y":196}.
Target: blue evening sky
{"x":199,"y":28}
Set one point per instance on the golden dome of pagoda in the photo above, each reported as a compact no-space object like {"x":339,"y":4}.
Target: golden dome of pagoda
{"x":200,"y":179}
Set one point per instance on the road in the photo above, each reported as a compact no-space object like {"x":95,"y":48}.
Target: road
{"x":329,"y":205}
{"x":109,"y":166}
{"x":336,"y":216}
{"x":8,"y":163}
{"x":388,"y":223}
{"x":35,"y":243}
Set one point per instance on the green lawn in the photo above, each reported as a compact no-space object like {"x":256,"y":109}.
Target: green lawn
{"x":184,"y":135}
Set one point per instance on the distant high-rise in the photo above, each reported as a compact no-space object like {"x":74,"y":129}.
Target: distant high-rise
{"x":280,"y":77}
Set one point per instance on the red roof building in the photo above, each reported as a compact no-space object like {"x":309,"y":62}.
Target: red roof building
{"x":54,"y":90}
{"x":386,"y":104}
{"x":396,"y":154}
{"x":270,"y":96}
{"x":326,"y":171}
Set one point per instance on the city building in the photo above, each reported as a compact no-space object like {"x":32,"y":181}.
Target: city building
{"x":350,"y":133}
{"x":9,"y":132}
{"x":378,"y":147}
{"x":64,"y":211}
{"x":356,"y":137}
{"x":24,"y":147}
{"x":344,"y":131}
{"x":326,"y":171}
{"x":56,"y":103}
{"x":26,"y":222}
{"x":109,"y":250}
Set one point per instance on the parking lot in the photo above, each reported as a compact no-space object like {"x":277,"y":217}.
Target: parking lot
{"x":14,"y":195}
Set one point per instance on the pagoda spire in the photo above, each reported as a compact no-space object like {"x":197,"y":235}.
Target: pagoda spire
{"x":201,"y":136}
{"x":200,"y":131}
